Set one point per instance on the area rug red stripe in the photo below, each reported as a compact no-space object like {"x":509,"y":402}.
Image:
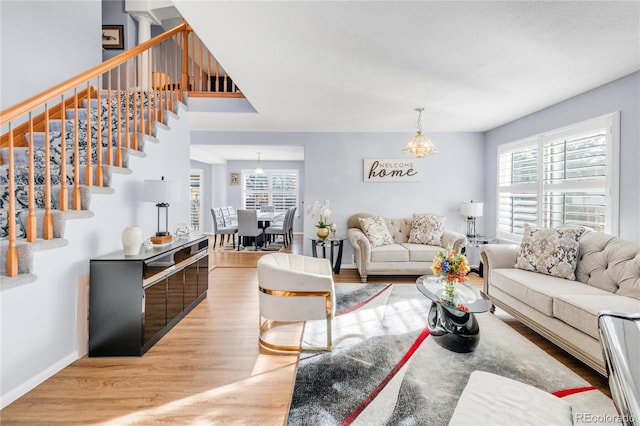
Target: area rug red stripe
{"x":566,"y":392}
{"x":374,"y":393}
{"x":364,"y":302}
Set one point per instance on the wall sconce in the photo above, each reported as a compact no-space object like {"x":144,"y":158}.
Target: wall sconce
{"x":160,"y":192}
{"x":471,"y":211}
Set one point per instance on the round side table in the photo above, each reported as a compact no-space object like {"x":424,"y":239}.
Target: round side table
{"x":330,"y":242}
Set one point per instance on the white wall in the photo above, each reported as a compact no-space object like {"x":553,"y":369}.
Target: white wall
{"x":35,"y":54}
{"x":620,"y":95}
{"x":333,"y":170}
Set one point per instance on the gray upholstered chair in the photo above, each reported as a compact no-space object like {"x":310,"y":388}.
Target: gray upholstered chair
{"x":248,"y":226}
{"x":229,"y":215}
{"x":280,"y":228}
{"x":293,"y":288}
{"x":219,"y":228}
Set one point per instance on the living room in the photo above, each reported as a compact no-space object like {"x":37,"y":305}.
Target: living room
{"x":465,"y":169}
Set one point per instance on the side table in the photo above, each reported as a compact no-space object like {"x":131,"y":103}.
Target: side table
{"x":330,"y":242}
{"x":472,"y":250}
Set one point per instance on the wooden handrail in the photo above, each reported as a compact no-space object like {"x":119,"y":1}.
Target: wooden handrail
{"x":30,"y":104}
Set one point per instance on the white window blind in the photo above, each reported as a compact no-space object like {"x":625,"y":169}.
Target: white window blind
{"x":195,"y":201}
{"x":567,"y":176}
{"x":278,"y":188}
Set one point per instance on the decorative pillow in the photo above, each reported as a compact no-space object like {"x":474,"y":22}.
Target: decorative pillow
{"x":427,"y":229}
{"x":550,"y":251}
{"x":376,"y":231}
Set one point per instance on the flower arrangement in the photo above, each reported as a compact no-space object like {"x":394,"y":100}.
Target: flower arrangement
{"x":320,"y":212}
{"x":452,"y":267}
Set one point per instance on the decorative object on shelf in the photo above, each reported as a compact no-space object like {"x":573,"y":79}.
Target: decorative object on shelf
{"x":471,"y":211}
{"x":452,"y":267}
{"x":320,"y":212}
{"x":182,"y":231}
{"x":420,"y":146}
{"x":259,"y":170}
{"x":333,"y":228}
{"x":161,"y":192}
{"x":131,"y":240}
{"x":322,"y":232}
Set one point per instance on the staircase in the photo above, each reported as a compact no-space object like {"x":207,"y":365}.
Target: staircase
{"x":53,"y":162}
{"x":83,"y":151}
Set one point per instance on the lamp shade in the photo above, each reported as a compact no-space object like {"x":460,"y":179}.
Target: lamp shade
{"x":471,"y":209}
{"x":160,"y":191}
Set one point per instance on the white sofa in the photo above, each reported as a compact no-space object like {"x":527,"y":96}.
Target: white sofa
{"x":401,"y":257}
{"x":565,"y":311}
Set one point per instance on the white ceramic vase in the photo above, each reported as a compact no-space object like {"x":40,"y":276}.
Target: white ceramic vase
{"x":131,"y":240}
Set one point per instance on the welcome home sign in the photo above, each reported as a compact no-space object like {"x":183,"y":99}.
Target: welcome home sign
{"x":392,"y":170}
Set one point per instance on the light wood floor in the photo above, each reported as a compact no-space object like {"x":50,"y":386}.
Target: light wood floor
{"x":208,"y":370}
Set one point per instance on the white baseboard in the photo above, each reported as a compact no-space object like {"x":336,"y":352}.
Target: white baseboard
{"x":30,"y":384}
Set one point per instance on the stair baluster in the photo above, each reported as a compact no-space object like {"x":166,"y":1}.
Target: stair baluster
{"x":76,"y":199}
{"x":47,"y":224}
{"x":64,"y":190}
{"x":99,"y":171}
{"x":31,"y":225}
{"x":88,"y":170}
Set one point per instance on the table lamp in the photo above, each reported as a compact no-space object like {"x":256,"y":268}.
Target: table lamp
{"x":471,"y":211}
{"x":160,"y":192}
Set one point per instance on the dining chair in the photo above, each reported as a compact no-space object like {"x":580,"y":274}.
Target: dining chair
{"x":289,"y":226}
{"x":229,"y":219}
{"x":248,"y":226}
{"x":279,"y":229}
{"x":219,"y":228}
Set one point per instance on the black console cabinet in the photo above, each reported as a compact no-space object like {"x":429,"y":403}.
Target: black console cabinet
{"x":135,"y":300}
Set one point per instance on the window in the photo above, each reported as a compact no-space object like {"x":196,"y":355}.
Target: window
{"x":195,"y":201}
{"x":278,"y":188}
{"x":566,"y":176}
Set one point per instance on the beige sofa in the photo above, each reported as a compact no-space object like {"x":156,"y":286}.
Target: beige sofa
{"x":565,"y":311}
{"x":401,"y":257}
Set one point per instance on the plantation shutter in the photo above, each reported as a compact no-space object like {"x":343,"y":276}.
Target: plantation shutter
{"x":568,"y":176}
{"x":278,"y":188}
{"x":518,"y":193}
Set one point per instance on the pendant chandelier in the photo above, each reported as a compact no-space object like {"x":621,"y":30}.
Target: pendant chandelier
{"x":420,"y":146}
{"x":259,"y":170}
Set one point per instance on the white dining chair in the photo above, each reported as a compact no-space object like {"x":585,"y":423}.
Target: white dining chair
{"x":248,"y":226}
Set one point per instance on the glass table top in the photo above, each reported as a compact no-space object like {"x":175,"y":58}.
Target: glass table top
{"x":468,"y":298}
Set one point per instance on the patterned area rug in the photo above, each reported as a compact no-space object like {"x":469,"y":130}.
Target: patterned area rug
{"x":385,"y":369}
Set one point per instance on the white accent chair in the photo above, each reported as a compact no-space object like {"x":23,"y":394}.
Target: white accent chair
{"x":294,"y":288}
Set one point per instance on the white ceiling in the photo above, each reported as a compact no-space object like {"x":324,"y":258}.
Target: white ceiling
{"x":351,"y":66}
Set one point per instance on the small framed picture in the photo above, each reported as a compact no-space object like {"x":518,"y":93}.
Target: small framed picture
{"x":112,"y":37}
{"x":235,"y":178}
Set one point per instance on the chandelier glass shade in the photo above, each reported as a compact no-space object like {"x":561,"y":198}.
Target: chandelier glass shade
{"x":420,"y":146}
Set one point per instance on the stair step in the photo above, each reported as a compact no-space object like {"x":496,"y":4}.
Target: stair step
{"x":22,"y":199}
{"x":25,"y":255}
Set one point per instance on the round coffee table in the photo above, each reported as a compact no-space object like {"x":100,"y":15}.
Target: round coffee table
{"x":453,"y":325}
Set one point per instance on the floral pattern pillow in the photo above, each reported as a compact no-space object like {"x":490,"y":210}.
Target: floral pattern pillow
{"x":427,"y":229}
{"x":550,"y":251}
{"x":376,"y":231}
